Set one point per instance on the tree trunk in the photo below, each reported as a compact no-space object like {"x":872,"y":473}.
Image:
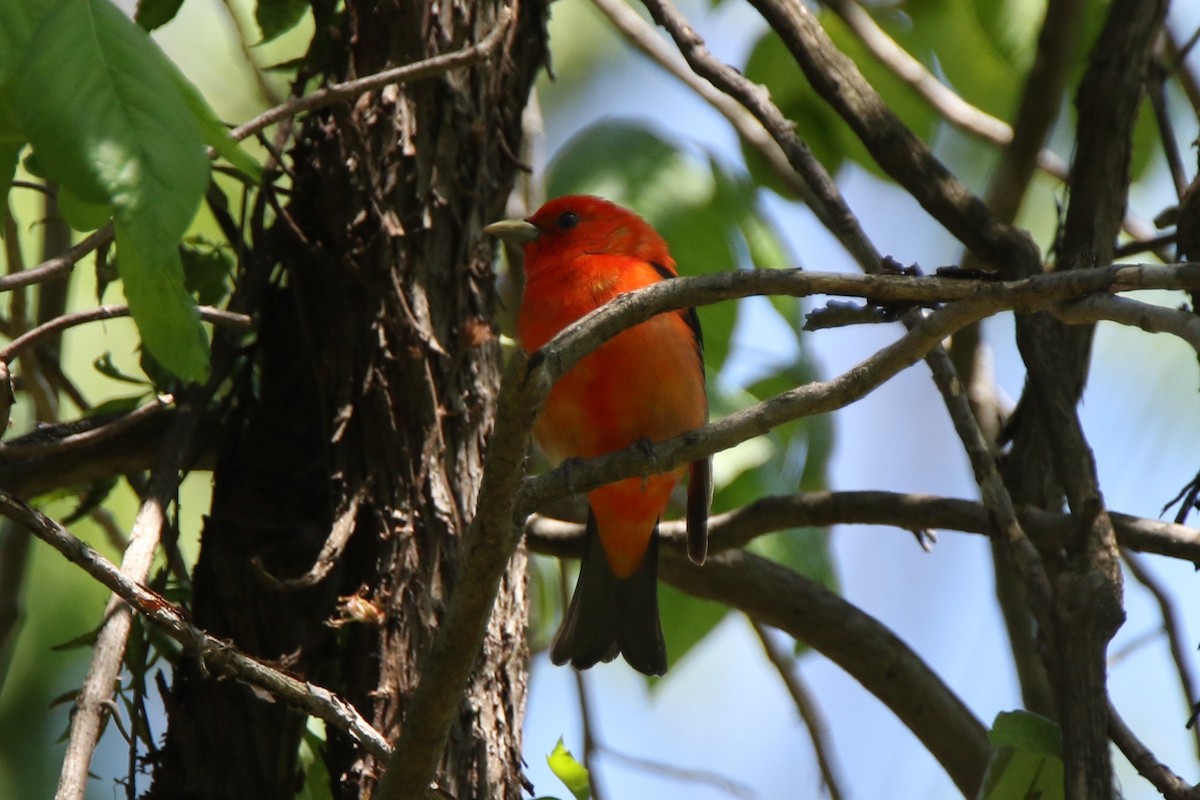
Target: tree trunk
{"x":363,"y":410}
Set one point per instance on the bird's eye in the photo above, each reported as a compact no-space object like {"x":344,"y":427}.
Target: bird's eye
{"x":568,"y":220}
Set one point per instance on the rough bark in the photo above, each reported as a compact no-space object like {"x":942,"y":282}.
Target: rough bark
{"x":365,"y":410}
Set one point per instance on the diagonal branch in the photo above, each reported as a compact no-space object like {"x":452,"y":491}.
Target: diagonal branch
{"x":818,"y":732}
{"x":893,"y":146}
{"x":218,"y":655}
{"x":95,"y":695}
{"x":774,"y":595}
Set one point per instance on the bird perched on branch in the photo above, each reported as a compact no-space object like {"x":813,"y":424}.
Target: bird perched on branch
{"x":645,"y":384}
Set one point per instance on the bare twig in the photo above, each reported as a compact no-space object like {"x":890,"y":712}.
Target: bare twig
{"x":57,"y":325}
{"x":221,"y":656}
{"x":43,"y":448}
{"x":818,"y":731}
{"x":855,"y":641}
{"x":900,"y":153}
{"x":59,"y":264}
{"x":408,"y":73}
{"x":586,"y":719}
{"x":95,"y":695}
{"x":1173,"y":628}
{"x":642,"y":35}
{"x":735,"y":529}
{"x":681,"y":774}
{"x":1170,"y":785}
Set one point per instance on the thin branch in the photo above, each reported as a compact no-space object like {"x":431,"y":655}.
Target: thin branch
{"x":408,"y":73}
{"x":58,"y":324}
{"x":818,"y":731}
{"x":893,"y":146}
{"x":733,"y":530}
{"x":1170,"y":785}
{"x":1173,"y":628}
{"x":774,"y":595}
{"x":586,"y":718}
{"x":134,"y":449}
{"x":59,"y":264}
{"x":641,"y":35}
{"x":49,"y":447}
{"x":681,"y":774}
{"x":218,"y":655}
{"x":95,"y":695}
{"x":817,"y":397}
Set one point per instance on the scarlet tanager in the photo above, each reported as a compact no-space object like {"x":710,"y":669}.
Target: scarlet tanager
{"x":644,"y":385}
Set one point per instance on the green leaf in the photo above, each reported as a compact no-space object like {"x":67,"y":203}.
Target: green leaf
{"x":107,"y":121}
{"x":1026,"y":762}
{"x":206,"y":269}
{"x":153,"y":14}
{"x":573,"y":774}
{"x":276,"y":17}
{"x":80,"y":214}
{"x":159,"y":302}
{"x":11,"y":142}
{"x":105,"y":366}
{"x":18,"y":22}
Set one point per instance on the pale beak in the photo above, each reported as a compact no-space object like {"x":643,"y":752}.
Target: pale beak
{"x":514,"y":231}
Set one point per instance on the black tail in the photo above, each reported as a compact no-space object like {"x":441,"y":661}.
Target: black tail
{"x":610,"y":615}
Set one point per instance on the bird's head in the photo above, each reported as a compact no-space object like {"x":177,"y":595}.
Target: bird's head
{"x":576,"y":225}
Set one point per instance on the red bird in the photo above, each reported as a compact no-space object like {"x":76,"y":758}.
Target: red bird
{"x":644,"y":385}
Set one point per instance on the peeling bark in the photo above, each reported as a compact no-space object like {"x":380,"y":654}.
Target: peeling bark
{"x":368,"y":405}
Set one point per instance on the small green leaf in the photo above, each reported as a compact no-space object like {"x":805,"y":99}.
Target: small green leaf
{"x":152,"y":274}
{"x":277,"y":17}
{"x":104,"y":365}
{"x":153,"y":14}
{"x":206,"y":270}
{"x":1026,"y":762}
{"x":573,"y":774}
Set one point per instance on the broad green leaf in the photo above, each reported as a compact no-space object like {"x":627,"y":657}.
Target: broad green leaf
{"x":277,"y":17}
{"x":1026,"y":762}
{"x":686,"y":620}
{"x":19,"y":19}
{"x":80,"y":214}
{"x":107,"y":121}
{"x":573,"y":774}
{"x":153,"y":14}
